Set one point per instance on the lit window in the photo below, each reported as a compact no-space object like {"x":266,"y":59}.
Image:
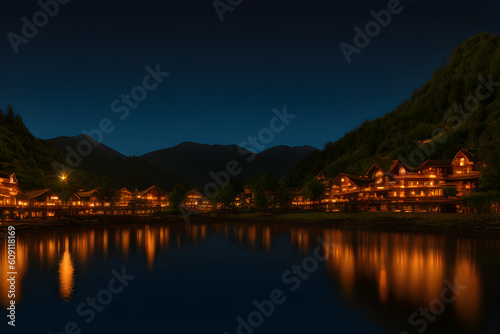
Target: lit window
{"x":402,"y":171}
{"x":462,"y":161}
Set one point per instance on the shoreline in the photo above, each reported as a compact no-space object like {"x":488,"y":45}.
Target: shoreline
{"x":456,"y":224}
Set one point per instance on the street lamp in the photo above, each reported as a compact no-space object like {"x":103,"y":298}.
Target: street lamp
{"x":64,"y":175}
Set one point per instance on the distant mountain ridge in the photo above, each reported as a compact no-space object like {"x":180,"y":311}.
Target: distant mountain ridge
{"x":195,"y":161}
{"x":188,"y":163}
{"x":120,"y":169}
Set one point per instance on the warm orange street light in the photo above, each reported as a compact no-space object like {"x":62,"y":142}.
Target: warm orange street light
{"x":64,"y":175}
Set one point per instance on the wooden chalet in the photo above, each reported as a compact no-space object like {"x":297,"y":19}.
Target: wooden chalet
{"x":91,"y":198}
{"x":154,"y":196}
{"x":41,"y":197}
{"x":41,"y":203}
{"x":9,"y":189}
{"x":123,"y":197}
{"x":196,"y":201}
{"x":150,"y":200}
{"x":464,"y":174}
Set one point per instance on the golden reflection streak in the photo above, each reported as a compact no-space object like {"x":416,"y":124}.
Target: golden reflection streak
{"x":125,"y":240}
{"x":468,"y":304}
{"x":66,"y":274}
{"x":105,"y":243}
{"x":150,"y":247}
{"x":203,"y":233}
{"x":266,"y":238}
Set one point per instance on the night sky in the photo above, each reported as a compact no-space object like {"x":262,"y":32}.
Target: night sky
{"x":225,"y":77}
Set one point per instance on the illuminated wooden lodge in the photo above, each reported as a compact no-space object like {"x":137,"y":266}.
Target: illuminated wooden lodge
{"x":154,"y":196}
{"x":88,"y":203}
{"x":41,"y":203}
{"x":123,"y":197}
{"x":89,"y":199}
{"x":196,"y":201}
{"x":41,"y":198}
{"x":465,"y":173}
{"x":348,"y":188}
{"x":150,"y":200}
{"x":404,"y":188}
{"x":9,"y":189}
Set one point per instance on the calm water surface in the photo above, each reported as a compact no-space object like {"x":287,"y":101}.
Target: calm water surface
{"x":200,"y":278}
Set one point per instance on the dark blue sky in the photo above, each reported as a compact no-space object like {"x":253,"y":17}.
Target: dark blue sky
{"x":225,"y":77}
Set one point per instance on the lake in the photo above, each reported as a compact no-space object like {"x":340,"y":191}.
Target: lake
{"x":250,"y":278}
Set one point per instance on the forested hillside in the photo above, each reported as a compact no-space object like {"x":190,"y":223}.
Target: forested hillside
{"x":31,"y":158}
{"x":24,"y":154}
{"x":450,"y":110}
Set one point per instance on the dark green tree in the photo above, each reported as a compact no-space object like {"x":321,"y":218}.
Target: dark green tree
{"x":481,"y":201}
{"x":226,"y":195}
{"x":260,"y":200}
{"x":176,"y":197}
{"x":314,"y":190}
{"x":283,"y":194}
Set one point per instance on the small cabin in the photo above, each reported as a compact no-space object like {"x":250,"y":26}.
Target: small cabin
{"x":41,"y":198}
{"x":463,"y":162}
{"x":154,"y":196}
{"x":92,"y":198}
{"x":194,"y":200}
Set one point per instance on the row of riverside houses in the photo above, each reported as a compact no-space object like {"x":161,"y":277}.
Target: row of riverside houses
{"x":434,"y":186}
{"x":15,"y":203}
